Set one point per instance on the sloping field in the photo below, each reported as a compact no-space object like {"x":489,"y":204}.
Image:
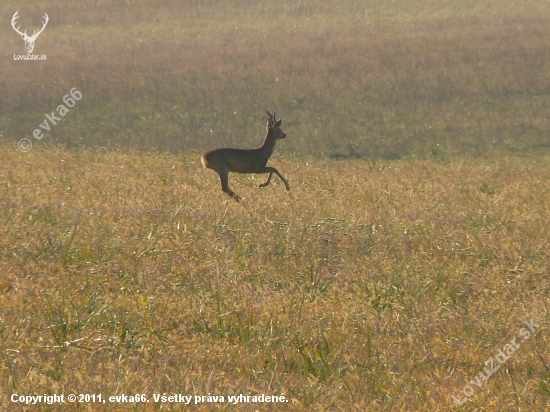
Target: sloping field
{"x":351,"y":78}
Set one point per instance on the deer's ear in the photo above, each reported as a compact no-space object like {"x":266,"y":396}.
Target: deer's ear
{"x":268,"y":124}
{"x":278,"y":124}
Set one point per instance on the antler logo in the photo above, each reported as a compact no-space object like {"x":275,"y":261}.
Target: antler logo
{"x":29,"y":40}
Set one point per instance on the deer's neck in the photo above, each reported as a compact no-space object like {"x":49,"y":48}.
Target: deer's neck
{"x":269,"y":144}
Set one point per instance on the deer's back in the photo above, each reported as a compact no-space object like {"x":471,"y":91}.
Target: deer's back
{"x":236,"y":160}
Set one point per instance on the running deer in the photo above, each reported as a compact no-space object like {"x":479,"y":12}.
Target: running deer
{"x":223,"y":161}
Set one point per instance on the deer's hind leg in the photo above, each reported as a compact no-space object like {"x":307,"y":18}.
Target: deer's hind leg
{"x":224,"y":177}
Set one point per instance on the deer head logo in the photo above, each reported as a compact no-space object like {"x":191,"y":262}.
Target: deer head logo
{"x":29,"y":40}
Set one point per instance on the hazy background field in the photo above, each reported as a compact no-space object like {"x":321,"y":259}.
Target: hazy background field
{"x":411,"y":248}
{"x":369,"y":78}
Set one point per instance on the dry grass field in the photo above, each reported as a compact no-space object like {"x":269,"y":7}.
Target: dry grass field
{"x":381,"y":285}
{"x":412,"y":247}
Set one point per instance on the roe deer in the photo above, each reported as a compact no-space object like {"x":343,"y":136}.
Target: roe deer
{"x":223,"y":161}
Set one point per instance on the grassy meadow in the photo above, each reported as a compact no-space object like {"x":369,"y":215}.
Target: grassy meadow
{"x":412,"y":246}
{"x":383,"y":79}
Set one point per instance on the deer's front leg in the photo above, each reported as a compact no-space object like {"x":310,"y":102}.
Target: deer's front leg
{"x":272,"y":170}
{"x":264,"y":184}
{"x":283,"y":179}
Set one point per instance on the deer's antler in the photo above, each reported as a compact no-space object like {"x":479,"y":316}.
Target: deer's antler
{"x":46,"y":20}
{"x":14,"y":18}
{"x":35,"y":33}
{"x":271,"y":118}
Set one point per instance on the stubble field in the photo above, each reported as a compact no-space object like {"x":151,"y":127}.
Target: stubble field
{"x":412,"y":247}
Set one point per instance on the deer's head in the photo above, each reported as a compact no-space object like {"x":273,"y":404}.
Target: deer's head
{"x":29,"y":40}
{"x":274,"y":126}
